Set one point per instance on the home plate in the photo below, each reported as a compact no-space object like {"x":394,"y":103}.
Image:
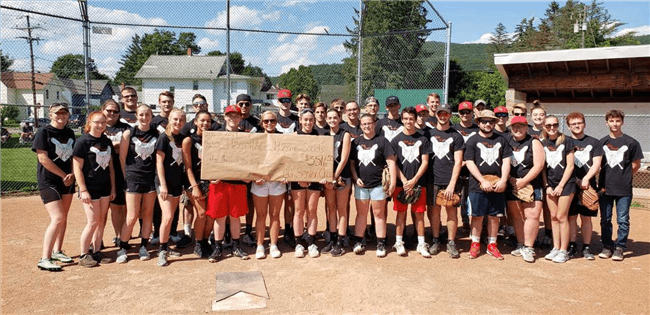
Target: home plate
{"x":240,"y":291}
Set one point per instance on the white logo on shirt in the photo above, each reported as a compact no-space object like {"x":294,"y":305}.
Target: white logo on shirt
{"x":253,"y":130}
{"x":489,"y":155}
{"x":199,"y":148}
{"x":614,"y":158}
{"x":441,"y":148}
{"x":390,"y":134}
{"x":289,"y":129}
{"x":518,"y":157}
{"x":161,"y":129}
{"x":554,"y":158}
{"x":63,"y":151}
{"x":367,"y":155}
{"x":582,"y":156}
{"x":177,"y":155}
{"x":465,"y":137}
{"x":144,"y":150}
{"x":429,"y":124}
{"x":102,"y":158}
{"x":410,"y":152}
{"x":336,"y":150}
{"x":115,"y":137}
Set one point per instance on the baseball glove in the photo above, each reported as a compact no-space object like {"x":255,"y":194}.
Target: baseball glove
{"x":385,"y":179}
{"x":413,"y":197}
{"x":493,"y":179}
{"x":588,"y":198}
{"x":526,"y":194}
{"x":442,"y":201}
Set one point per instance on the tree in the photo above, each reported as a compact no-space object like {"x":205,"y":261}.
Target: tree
{"x":237,"y":62}
{"x":71,"y":66}
{"x":389,"y":61}
{"x":488,"y":86}
{"x":159,"y":42}
{"x":9,"y":112}
{"x":500,"y":42}
{"x":6,"y":63}
{"x":300,"y":81}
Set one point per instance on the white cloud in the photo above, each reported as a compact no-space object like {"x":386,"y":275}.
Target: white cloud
{"x":640,"y":30}
{"x":298,"y":51}
{"x":336,"y":49}
{"x":282,"y":37}
{"x":241,"y":17}
{"x":485,"y":38}
{"x":21,"y":65}
{"x":108,"y":66}
{"x":272,"y":16}
{"x":208,"y":44}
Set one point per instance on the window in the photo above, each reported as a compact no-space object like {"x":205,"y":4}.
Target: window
{"x":171,"y":89}
{"x":57,"y":95}
{"x":47,"y":94}
{"x":195,"y":85}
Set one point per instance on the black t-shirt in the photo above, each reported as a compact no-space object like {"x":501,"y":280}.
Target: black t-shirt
{"x":159,"y":123}
{"x":196,"y":154}
{"x":141,"y":156}
{"x":556,"y":160}
{"x":466,"y":133}
{"x":28,"y":129}
{"x":389,"y":128}
{"x":250,"y":124}
{"x":173,"y":164}
{"x":338,"y":152}
{"x":534,"y":133}
{"x":59,"y":144}
{"x":322,"y":131}
{"x":114,"y":133}
{"x":585,"y":150}
{"x":521,"y":160}
{"x":128,"y":118}
{"x":616,"y":169}
{"x":443,"y":144}
{"x":505,"y":134}
{"x":287,"y":124}
{"x":369,"y":158}
{"x":97,"y":154}
{"x":190,"y":127}
{"x":431,"y":122}
{"x":355,"y":131}
{"x":488,"y":154}
{"x":409,"y":150}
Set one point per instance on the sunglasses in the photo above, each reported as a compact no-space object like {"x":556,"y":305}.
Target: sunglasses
{"x":501,"y":115}
{"x":199,"y":103}
{"x":486,"y":121}
{"x":114,"y":112}
{"x":285,"y":100}
{"x":518,"y":114}
{"x":465,"y":112}
{"x":552,"y":125}
{"x":244,"y":104}
{"x":269,"y":121}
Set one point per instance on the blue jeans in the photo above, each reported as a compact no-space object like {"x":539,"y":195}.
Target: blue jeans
{"x":622,"y":219}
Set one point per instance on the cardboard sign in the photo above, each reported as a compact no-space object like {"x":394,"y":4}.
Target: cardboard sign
{"x":272,"y":157}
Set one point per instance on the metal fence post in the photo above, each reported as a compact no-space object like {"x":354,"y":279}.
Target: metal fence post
{"x":359,"y":53}
{"x":447,"y":62}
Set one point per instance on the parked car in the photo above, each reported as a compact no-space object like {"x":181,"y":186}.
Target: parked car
{"x":77,"y":121}
{"x":41,"y":121}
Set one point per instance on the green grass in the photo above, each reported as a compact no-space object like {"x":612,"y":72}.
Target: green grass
{"x":636,"y":205}
{"x":18,"y":167}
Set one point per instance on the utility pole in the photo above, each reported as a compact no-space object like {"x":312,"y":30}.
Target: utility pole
{"x":30,"y":40}
{"x":581,"y":24}
{"x":83,"y":7}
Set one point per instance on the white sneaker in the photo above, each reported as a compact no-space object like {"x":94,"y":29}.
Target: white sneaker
{"x":358,"y":248}
{"x":259,"y":253}
{"x":381,"y":250}
{"x":300,"y":251}
{"x":528,"y":254}
{"x":399,"y":248}
{"x":423,"y":249}
{"x":313,"y":251}
{"x":517,"y":252}
{"x":552,"y":254}
{"x":561,"y":257}
{"x":121,"y":256}
{"x":275,"y":252}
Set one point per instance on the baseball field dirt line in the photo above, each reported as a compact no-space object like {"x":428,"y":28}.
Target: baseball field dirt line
{"x":348,"y":284}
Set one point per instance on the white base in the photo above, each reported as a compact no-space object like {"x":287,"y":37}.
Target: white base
{"x":239,"y":301}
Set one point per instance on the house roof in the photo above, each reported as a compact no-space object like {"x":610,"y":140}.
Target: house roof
{"x":77,"y":86}
{"x":244,"y":77}
{"x":182,"y":67}
{"x":23,"y":80}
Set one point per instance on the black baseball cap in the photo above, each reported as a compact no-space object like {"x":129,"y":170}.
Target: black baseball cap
{"x":243,"y":97}
{"x":444,"y":108}
{"x":392,"y":99}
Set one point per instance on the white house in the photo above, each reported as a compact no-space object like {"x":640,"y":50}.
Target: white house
{"x":16,"y":89}
{"x":188,"y":75}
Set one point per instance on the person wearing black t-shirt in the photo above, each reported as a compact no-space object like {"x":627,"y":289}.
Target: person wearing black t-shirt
{"x":372,"y":107}
{"x":369,"y":155}
{"x":320,"y":111}
{"x":622,"y":159}
{"x":559,"y":181}
{"x":501,"y":127}
{"x":527,"y":163}
{"x":433,"y":101}
{"x":197,"y":191}
{"x":421,"y":122}
{"x":248,"y":123}
{"x":199,"y":103}
{"x":53,"y":146}
{"x":466,"y":128}
{"x":537,"y":116}
{"x":412,"y":150}
{"x":93,"y":168}
{"x":129,"y":97}
{"x":352,"y":126}
{"x":446,"y":161}
{"x":170,"y":178}
{"x":588,"y":157}
{"x":391,"y":125}
{"x":138,"y":159}
{"x":486,"y":153}
{"x":287,"y":123}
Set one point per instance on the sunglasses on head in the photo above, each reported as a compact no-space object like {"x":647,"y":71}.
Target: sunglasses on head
{"x":556,"y":125}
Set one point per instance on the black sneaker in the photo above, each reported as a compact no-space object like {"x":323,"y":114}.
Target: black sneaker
{"x":328,"y":247}
{"x":337,"y":250}
{"x":198,"y":249}
{"x":100,"y":258}
{"x":238,"y":252}
{"x":572,"y":252}
{"x":327,"y":236}
{"x":184,"y":242}
{"x":216,"y":255}
{"x":248,"y":240}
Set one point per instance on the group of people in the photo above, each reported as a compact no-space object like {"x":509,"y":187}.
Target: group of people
{"x":148,"y":168}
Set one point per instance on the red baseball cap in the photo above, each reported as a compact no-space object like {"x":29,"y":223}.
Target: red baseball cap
{"x":420,"y":107}
{"x":232,"y":109}
{"x":519,"y":120}
{"x":465,"y":105}
{"x":500,"y":109}
{"x":284,"y":94}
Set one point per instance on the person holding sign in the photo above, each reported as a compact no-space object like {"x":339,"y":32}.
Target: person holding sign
{"x":287,"y":123}
{"x":227,"y":199}
{"x":305,"y":196}
{"x":268,"y":198}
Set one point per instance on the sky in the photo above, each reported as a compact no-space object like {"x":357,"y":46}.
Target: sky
{"x":472,"y":22}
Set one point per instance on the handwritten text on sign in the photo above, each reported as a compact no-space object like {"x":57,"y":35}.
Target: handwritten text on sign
{"x":253,"y":156}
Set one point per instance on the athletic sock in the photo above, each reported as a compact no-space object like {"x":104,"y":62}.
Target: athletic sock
{"x":475,"y":239}
{"x":381,"y":240}
{"x":144,"y":242}
{"x":420,"y":240}
{"x":311,"y":240}
{"x":334,"y":237}
{"x":163,"y":246}
{"x":492,"y":240}
{"x":435,"y":239}
{"x":188,"y":229}
{"x":398,"y":238}
{"x":298,"y":240}
{"x":249,"y":229}
{"x":287,"y":227}
{"x":572,"y":244}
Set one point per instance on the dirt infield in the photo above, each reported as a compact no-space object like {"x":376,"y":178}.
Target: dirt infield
{"x":348,"y":284}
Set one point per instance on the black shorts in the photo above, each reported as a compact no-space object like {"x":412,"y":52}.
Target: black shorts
{"x":174,"y":191}
{"x":55,"y":193}
{"x":139,"y":188}
{"x":120,"y":198}
{"x":578,"y":209}
{"x":432,"y":192}
{"x":312,"y":186}
{"x":97,"y":193}
{"x":484,"y":203}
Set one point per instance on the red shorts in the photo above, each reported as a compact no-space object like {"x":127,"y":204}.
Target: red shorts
{"x":227,"y":199}
{"x":419,"y":206}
